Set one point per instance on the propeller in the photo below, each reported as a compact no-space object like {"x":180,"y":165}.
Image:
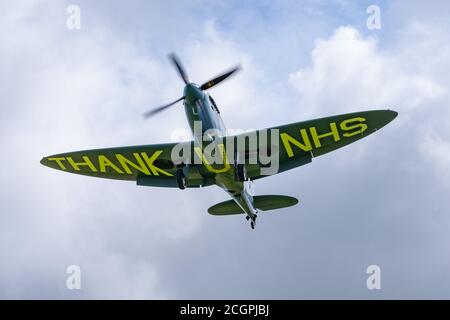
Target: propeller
{"x":181,"y":71}
{"x":179,"y":67}
{"x":150,"y":113}
{"x":219,"y":79}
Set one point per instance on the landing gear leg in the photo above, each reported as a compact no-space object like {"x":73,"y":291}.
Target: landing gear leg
{"x":240,"y":173}
{"x":181,"y":179}
{"x":253,"y":221}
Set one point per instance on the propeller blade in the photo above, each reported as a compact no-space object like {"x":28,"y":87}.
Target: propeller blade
{"x":179,"y":67}
{"x":159,"y":109}
{"x":218,"y":79}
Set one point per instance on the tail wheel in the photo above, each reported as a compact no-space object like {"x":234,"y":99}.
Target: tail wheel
{"x":181,"y":179}
{"x":241,"y":172}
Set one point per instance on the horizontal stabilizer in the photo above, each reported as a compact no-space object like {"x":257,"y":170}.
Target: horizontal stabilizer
{"x":264,"y":203}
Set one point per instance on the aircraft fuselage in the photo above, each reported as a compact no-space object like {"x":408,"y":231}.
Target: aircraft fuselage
{"x":200,"y":110}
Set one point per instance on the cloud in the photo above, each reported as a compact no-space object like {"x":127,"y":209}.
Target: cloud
{"x":76,"y":90}
{"x":349,"y":67}
{"x":382,"y":200}
{"x":437,"y":150}
{"x":72,"y":90}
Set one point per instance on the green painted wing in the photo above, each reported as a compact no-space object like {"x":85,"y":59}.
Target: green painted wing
{"x":123,"y":163}
{"x":296,"y":144}
{"x":300,"y":142}
{"x":264,"y":203}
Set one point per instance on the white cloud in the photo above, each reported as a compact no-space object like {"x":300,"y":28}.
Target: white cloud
{"x":436,"y":149}
{"x":211,"y":53}
{"x":63,"y":91}
{"x":349,"y":72}
{"x":71,"y":90}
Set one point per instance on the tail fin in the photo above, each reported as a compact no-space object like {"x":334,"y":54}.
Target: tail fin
{"x":264,"y":203}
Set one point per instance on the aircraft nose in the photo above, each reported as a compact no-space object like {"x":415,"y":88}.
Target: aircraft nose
{"x":192,"y":92}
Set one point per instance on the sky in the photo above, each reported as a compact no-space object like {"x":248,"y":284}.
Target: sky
{"x":381,"y":201}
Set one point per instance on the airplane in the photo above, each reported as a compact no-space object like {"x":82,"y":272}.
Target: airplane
{"x":215,"y":158}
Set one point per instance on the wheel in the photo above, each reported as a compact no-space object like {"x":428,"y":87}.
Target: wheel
{"x":241,"y":172}
{"x":181,"y":179}
{"x":252,"y":224}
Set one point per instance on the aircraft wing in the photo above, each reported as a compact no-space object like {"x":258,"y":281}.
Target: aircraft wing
{"x":147,"y":164}
{"x":298,"y":143}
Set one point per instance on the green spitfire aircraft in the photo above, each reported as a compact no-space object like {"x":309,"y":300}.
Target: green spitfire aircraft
{"x":231,"y":162}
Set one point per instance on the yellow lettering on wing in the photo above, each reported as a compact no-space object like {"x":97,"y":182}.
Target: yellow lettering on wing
{"x":59,"y":162}
{"x":358,"y":126}
{"x":316,"y":137}
{"x":126,"y":164}
{"x":154,"y":169}
{"x":208,"y":165}
{"x":288,"y":140}
{"x":104,"y":162}
{"x":87,"y":163}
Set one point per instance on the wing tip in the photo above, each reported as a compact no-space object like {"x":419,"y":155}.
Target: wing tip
{"x":392,"y":113}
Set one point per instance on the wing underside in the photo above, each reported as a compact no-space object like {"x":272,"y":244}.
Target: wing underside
{"x":124,"y":163}
{"x":296,"y":144}
{"x":264,"y":152}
